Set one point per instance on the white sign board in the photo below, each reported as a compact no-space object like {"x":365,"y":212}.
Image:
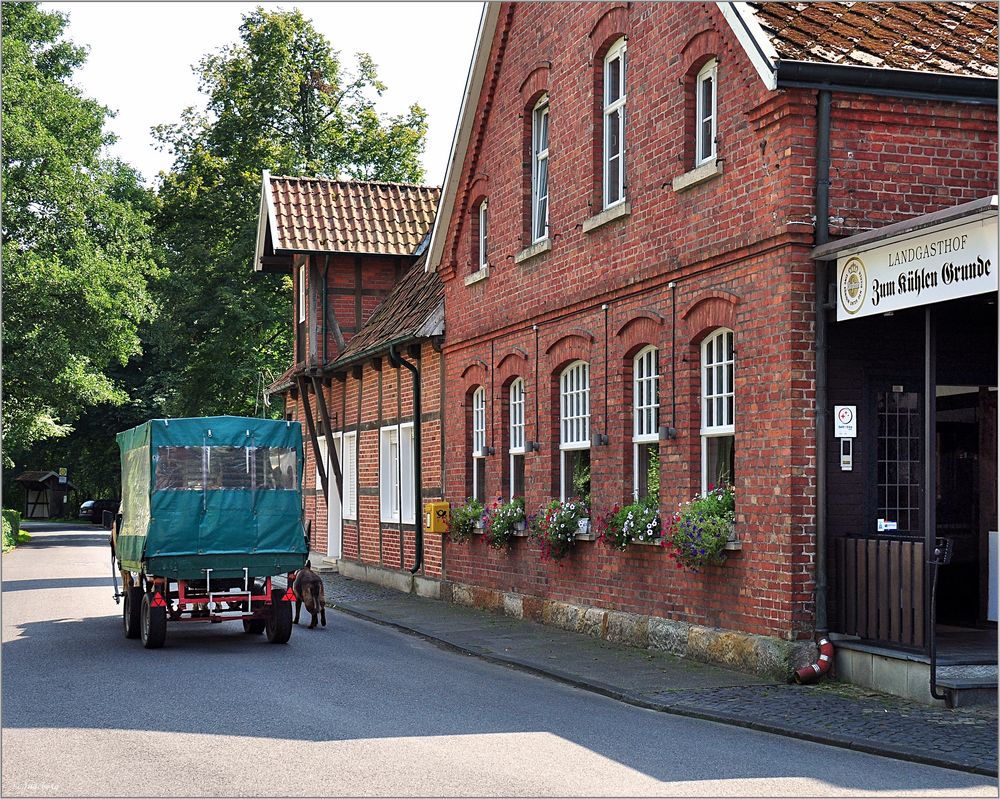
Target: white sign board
{"x":943,"y":264}
{"x":845,"y":421}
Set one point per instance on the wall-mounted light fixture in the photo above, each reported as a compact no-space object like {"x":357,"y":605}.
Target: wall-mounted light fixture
{"x":532,"y":446}
{"x":600,"y":440}
{"x":667,"y":433}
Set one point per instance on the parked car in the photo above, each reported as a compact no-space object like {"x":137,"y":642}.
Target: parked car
{"x":93,"y":509}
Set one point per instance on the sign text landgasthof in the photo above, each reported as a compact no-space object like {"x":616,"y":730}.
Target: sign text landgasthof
{"x":944,"y":264}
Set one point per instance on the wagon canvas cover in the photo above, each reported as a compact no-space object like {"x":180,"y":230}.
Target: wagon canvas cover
{"x":220,"y":493}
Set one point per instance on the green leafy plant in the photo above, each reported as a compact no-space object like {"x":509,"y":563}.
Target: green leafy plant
{"x":556,"y":526}
{"x":12,"y":534}
{"x":502,"y":522}
{"x":639,"y":521}
{"x":463,"y":520}
{"x":700,"y":529}
{"x":581,"y":481}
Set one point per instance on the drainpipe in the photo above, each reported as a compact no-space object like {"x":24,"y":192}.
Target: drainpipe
{"x":822,"y":236}
{"x":397,"y":360}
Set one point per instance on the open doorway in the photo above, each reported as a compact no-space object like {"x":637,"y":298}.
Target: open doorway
{"x":966,"y":495}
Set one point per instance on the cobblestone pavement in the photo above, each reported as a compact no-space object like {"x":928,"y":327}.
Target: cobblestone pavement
{"x":830,"y":712}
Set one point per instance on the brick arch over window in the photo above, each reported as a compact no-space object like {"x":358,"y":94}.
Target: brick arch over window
{"x":477,"y":194}
{"x":711,"y":310}
{"x":612,"y":25}
{"x":642,"y":326}
{"x":535,"y":84}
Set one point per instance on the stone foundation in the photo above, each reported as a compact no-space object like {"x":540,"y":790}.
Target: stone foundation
{"x":763,"y":655}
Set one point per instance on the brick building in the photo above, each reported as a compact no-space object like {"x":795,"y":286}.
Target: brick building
{"x":632,"y":250}
{"x":611,"y":239}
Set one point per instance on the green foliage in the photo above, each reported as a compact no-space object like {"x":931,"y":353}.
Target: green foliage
{"x":463,"y":520}
{"x":555,"y":527}
{"x":76,"y":238}
{"x":700,"y":529}
{"x":278,"y":100}
{"x":11,"y":528}
{"x":639,"y":521}
{"x":502,"y":521}
{"x":581,"y":481}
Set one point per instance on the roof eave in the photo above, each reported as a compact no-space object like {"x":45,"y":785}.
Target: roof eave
{"x":265,"y":217}
{"x":751,"y":36}
{"x":887,"y":81}
{"x":463,"y":132}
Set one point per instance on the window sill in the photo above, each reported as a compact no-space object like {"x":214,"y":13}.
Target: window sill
{"x":534,"y":250}
{"x":697,"y":176}
{"x":645,"y":543}
{"x":475,"y":277}
{"x":733,"y":546}
{"x":585,"y":532}
{"x":606,"y":216}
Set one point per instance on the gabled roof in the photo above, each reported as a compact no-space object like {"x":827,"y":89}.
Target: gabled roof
{"x":34,"y":477}
{"x":308,"y":214}
{"x":955,"y":38}
{"x":413,"y":310}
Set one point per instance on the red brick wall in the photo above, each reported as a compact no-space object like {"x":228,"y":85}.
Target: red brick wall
{"x":737,"y":249}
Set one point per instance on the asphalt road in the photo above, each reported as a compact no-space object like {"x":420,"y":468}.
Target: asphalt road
{"x":354,"y":709}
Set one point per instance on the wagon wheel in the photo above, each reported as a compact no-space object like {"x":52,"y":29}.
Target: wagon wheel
{"x":131,"y":610}
{"x":278,"y":624}
{"x":153,"y":623}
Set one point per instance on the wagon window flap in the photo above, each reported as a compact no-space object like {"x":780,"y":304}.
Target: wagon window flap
{"x":225,"y":468}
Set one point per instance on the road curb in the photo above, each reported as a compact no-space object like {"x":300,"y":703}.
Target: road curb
{"x":611,"y":692}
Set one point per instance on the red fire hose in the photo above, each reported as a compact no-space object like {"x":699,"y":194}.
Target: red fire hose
{"x":808,"y":674}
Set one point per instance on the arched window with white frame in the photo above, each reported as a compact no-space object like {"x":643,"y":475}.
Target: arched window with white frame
{"x":614,"y":124}
{"x":574,"y":432}
{"x":517,"y":438}
{"x":479,"y":444}
{"x":718,"y":400}
{"x":646,"y":423}
{"x":706,"y":92}
{"x":540,"y":170}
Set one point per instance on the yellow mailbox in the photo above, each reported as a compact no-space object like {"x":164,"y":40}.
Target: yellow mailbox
{"x":437,"y":517}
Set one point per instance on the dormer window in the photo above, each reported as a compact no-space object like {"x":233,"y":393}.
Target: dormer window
{"x":540,"y":171}
{"x":705,"y":113}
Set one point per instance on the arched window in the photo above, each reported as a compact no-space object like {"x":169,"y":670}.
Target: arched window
{"x":540,"y":170}
{"x":483,"y":261}
{"x":614,"y":124}
{"x":646,"y":423}
{"x":479,"y":444}
{"x":517,"y":438}
{"x":705,"y":108}
{"x":574,"y":431}
{"x":718,"y":429}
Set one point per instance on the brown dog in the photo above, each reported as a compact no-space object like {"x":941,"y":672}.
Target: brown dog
{"x":308,"y":588}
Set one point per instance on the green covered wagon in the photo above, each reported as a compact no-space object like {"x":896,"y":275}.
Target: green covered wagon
{"x":211,"y":511}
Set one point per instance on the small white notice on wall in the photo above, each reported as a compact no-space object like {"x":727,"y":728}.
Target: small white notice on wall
{"x":845,"y":421}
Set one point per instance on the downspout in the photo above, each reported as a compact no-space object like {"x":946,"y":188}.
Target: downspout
{"x":822,"y":236}
{"x":397,"y":360}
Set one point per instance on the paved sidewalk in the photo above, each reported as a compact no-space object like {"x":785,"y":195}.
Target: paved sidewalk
{"x":829,"y":712}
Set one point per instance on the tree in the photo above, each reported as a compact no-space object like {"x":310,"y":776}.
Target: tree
{"x":277,"y":100}
{"x":76,"y":238}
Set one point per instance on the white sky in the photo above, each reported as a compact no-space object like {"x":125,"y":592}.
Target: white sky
{"x":142,"y":54}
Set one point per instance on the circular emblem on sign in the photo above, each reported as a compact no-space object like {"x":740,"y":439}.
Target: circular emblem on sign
{"x":845,"y":415}
{"x":853,"y":285}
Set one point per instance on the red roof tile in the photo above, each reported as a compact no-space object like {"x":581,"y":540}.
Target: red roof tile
{"x":320,"y":215}
{"x":955,"y":38}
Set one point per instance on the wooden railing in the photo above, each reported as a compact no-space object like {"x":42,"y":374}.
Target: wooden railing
{"x":878,"y":589}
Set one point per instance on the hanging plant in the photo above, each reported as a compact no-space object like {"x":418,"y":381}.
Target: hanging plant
{"x":700,"y":529}
{"x":464,"y":520}
{"x":639,"y":521}
{"x":502,"y":522}
{"x":556,"y":526}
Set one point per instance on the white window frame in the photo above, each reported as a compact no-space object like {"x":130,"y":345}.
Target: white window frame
{"x":516,"y":426}
{"x":478,"y":436}
{"x":302,"y":292}
{"x":645,"y":406}
{"x":483,"y":233}
{"x":616,"y":51}
{"x":349,"y":501}
{"x":718,"y":392}
{"x":574,"y":415}
{"x":704,"y":151}
{"x":396,"y":474}
{"x":540,"y":162}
